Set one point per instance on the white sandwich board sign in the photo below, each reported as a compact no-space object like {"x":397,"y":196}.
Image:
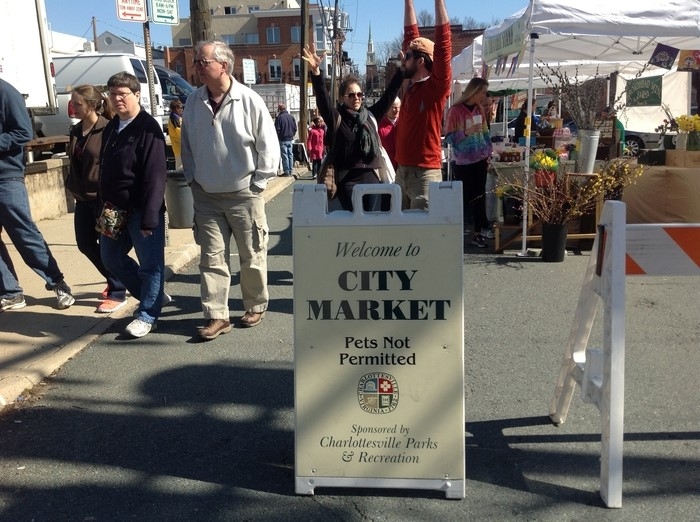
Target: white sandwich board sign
{"x":379,"y":343}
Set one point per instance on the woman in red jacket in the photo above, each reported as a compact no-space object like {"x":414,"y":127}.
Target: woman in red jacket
{"x":315,"y":146}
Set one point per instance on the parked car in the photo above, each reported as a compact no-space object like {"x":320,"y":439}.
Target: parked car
{"x":636,"y":141}
{"x":173,"y":84}
{"x":95,"y":69}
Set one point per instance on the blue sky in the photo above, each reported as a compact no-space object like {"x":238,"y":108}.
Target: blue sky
{"x":386,"y":16}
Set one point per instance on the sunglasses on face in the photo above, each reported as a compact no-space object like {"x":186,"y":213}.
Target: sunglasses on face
{"x":358,"y":95}
{"x":202,"y":62}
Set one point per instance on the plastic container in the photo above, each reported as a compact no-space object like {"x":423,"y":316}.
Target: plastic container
{"x":178,"y":200}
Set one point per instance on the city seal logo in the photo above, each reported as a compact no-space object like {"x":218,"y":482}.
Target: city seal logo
{"x":378,"y":393}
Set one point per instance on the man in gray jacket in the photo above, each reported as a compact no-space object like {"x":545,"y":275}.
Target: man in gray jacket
{"x":229,"y":151}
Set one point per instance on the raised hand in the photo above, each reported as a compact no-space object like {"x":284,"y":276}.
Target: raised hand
{"x":314,"y":60}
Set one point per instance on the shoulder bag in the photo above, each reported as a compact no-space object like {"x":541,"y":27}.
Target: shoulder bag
{"x":385,"y":171}
{"x":326,"y":174}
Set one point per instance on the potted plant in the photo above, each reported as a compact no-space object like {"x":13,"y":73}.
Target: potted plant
{"x":571,"y":196}
{"x":544,"y":163}
{"x":582,"y":98}
{"x":510,"y":203}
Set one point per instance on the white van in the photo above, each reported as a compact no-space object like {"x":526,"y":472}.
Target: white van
{"x":95,"y":69}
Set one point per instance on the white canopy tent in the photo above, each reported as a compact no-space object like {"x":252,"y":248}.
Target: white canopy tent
{"x":613,"y":36}
{"x":598,"y":30}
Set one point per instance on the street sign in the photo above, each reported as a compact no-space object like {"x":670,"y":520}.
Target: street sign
{"x":248,"y":71}
{"x":131,"y":10}
{"x":164,"y":12}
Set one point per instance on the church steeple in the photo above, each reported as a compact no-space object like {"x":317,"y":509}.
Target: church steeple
{"x":370,"y":48}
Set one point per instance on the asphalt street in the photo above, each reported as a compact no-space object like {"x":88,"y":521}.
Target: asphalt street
{"x":170,"y":428}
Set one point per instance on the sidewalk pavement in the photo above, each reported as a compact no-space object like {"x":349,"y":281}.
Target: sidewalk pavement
{"x":38,"y":339}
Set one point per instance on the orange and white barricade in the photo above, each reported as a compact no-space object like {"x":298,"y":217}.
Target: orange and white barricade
{"x":619,"y":250}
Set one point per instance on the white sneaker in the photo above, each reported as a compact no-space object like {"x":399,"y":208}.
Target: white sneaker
{"x":139,"y":328}
{"x":488,"y":233}
{"x":63,"y":295}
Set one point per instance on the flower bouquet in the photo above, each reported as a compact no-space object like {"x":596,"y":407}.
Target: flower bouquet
{"x":690,"y":125}
{"x":544,"y":163}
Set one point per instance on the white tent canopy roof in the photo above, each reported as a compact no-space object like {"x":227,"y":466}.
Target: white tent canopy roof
{"x":467,"y":64}
{"x":600,"y":30}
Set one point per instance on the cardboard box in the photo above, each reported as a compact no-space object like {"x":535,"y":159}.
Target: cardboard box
{"x":692,"y":159}
{"x":675,"y":158}
{"x":689,"y":159}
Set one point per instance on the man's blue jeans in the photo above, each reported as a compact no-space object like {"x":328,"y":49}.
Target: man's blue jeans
{"x":16,"y":221}
{"x":287,"y":150}
{"x":144,"y":280}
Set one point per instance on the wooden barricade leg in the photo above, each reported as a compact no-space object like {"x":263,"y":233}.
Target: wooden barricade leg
{"x":600,"y":373}
{"x":575,"y":355}
{"x":612,"y":404}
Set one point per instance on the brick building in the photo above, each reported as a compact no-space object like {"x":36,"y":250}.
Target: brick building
{"x":266,"y":31}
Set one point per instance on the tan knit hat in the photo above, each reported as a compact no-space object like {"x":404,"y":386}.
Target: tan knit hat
{"x":422,"y":45}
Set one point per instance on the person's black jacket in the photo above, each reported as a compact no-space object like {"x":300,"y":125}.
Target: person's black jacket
{"x":520,"y":125}
{"x":133,"y":168}
{"x":346,"y":154}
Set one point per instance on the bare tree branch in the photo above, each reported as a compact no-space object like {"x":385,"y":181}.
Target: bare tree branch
{"x":425,"y":18}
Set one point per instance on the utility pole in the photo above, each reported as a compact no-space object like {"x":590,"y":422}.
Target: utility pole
{"x":303,"y":74}
{"x":336,"y":44}
{"x":200,"y":22}
{"x":94,"y":33}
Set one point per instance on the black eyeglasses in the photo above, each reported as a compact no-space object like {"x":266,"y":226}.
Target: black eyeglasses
{"x":358,"y":95}
{"x":200,"y":62}
{"x":119,"y":95}
{"x":409,"y":55}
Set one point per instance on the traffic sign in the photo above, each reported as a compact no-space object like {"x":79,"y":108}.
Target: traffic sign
{"x":131,"y":10}
{"x":248,"y":71}
{"x":164,"y":12}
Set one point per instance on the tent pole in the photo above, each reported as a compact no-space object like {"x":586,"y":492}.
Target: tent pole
{"x":528,"y":130}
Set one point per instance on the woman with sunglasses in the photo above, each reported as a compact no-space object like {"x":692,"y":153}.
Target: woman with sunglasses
{"x":355,"y":154}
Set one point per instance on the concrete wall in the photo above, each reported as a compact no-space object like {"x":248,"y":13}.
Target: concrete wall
{"x":48,"y":198}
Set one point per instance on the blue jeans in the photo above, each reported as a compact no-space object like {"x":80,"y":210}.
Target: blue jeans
{"x":5,"y":256}
{"x":16,"y":221}
{"x":287,"y":150}
{"x":87,"y":239}
{"x":144,"y":279}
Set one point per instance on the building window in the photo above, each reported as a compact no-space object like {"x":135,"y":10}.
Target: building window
{"x":296,"y":66}
{"x":320,"y":37}
{"x":228,"y":38}
{"x":229,"y":10}
{"x":184,"y":42}
{"x":253,"y":8}
{"x":251,"y":38}
{"x":275,"y":70}
{"x":296,"y":34}
{"x":273,"y":35}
